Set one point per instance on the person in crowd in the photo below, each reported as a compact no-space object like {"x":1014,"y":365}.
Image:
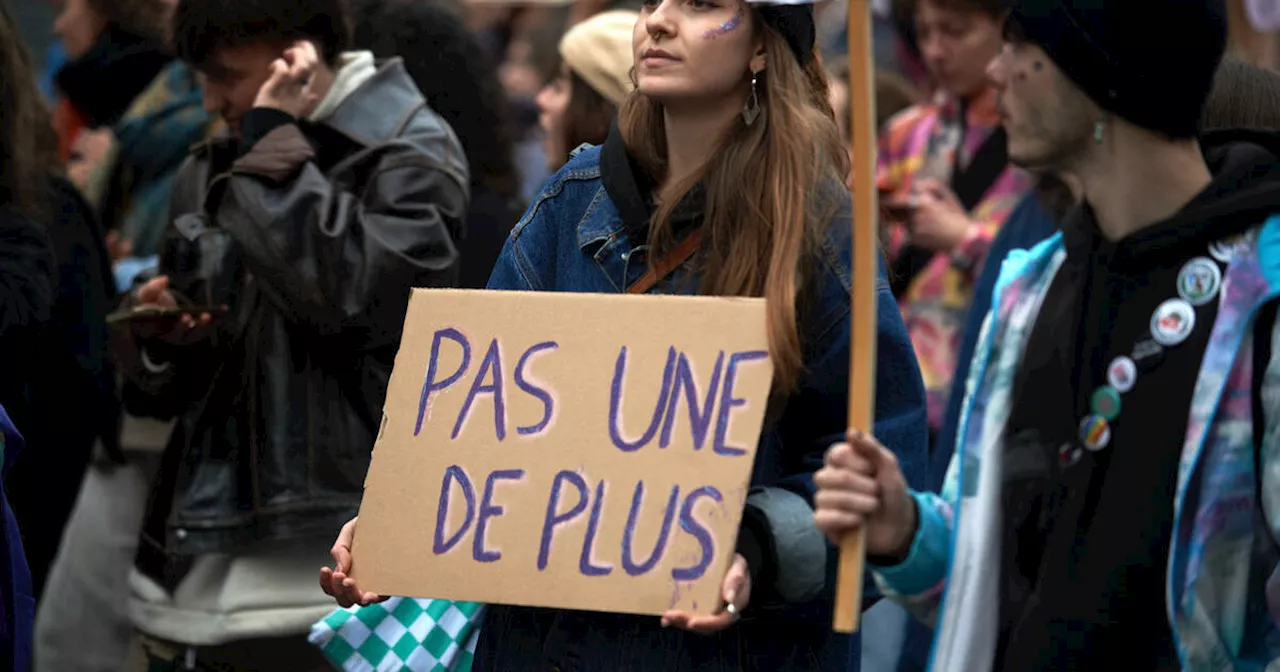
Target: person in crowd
{"x":526,"y":41}
{"x":141,"y":111}
{"x":28,"y":291}
{"x":731,"y":98}
{"x":111,"y":53}
{"x":295,"y":244}
{"x":65,"y":363}
{"x":946,"y":183}
{"x":579,"y":103}
{"x":1243,"y":97}
{"x":1121,"y":439}
{"x":458,"y":79}
{"x":92,"y":517}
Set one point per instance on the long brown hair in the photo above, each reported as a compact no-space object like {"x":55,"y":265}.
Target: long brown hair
{"x":771,"y":190}
{"x":28,"y":145}
{"x":588,"y":116}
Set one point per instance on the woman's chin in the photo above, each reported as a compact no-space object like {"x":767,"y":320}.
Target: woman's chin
{"x":660,"y":91}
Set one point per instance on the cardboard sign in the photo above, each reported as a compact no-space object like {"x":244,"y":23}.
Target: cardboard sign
{"x":565,"y":450}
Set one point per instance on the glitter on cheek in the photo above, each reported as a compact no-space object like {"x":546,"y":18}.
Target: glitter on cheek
{"x":727,"y":26}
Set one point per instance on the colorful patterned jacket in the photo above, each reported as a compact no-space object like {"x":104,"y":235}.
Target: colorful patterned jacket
{"x":1223,"y":592}
{"x":928,"y":140}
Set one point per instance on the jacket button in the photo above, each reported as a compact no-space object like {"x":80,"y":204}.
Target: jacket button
{"x":180,"y":534}
{"x":625,"y":256}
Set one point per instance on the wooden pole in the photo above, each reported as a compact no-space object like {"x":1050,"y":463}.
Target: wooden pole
{"x":862,"y":346}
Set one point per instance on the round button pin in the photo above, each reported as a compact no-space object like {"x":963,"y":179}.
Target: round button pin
{"x":1069,"y":454}
{"x":1172,"y":322}
{"x":1122,"y":374}
{"x":1199,"y":281}
{"x":1223,"y":250}
{"x":1106,"y":403}
{"x":1227,"y":249}
{"x":1095,"y":432}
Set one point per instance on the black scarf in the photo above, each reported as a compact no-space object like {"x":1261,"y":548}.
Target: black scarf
{"x":103,"y":82}
{"x":631,"y":189}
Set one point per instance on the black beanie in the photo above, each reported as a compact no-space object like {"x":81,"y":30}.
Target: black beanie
{"x":1150,"y":62}
{"x":795,"y":23}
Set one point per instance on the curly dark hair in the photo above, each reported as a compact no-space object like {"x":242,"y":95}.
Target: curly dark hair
{"x":202,"y":27}
{"x":28,"y":144}
{"x":455,"y":75}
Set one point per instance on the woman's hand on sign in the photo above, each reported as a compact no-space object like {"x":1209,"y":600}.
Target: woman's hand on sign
{"x":860,"y":485}
{"x":335,"y":582}
{"x":735,"y":590}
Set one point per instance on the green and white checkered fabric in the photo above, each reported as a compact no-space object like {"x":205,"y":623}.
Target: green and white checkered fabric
{"x":401,"y":635}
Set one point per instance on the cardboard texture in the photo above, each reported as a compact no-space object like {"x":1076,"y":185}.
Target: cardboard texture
{"x":572,"y":436}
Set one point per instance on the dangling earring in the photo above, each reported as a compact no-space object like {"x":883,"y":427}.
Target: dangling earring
{"x":1099,"y":127}
{"x":751,"y":110}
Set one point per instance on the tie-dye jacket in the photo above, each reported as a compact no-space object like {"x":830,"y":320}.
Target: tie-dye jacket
{"x":1223,"y":592}
{"x":928,"y":140}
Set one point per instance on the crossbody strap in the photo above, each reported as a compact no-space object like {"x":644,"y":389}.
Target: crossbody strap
{"x":661,"y":268}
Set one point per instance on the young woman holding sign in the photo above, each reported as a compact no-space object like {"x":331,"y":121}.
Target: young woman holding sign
{"x":724,"y":176}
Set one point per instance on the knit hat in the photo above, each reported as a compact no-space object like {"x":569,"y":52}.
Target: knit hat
{"x":1150,"y":62}
{"x":599,"y":51}
{"x":793,"y":19}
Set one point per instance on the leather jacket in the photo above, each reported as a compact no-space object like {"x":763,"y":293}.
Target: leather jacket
{"x":312,"y":238}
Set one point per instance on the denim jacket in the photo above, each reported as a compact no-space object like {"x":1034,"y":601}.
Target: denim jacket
{"x":1223,"y":576}
{"x":575,"y":238}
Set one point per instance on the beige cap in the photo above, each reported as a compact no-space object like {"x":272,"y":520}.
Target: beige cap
{"x":599,"y":51}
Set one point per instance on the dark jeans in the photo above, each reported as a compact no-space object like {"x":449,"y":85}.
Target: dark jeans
{"x":278,"y":654}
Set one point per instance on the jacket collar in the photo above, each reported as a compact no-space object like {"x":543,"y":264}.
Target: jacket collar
{"x":351,"y":70}
{"x":630,"y":188}
{"x":377,"y":110}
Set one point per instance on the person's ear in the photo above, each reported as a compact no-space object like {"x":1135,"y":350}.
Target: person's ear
{"x":758,"y":60}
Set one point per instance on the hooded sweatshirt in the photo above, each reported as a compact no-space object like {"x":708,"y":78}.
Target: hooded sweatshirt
{"x":1087,"y":532}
